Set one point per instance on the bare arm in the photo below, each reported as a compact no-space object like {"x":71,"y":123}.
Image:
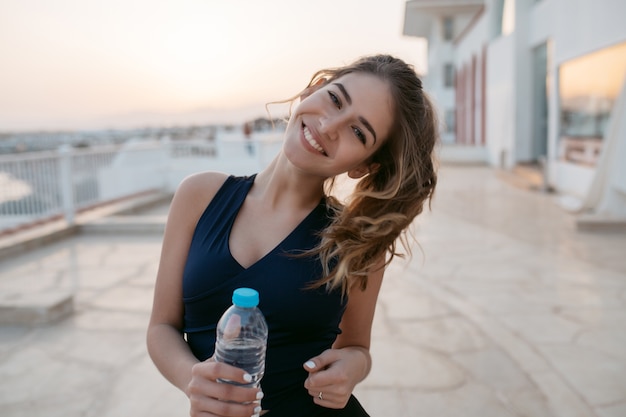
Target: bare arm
{"x":166,"y":345}
{"x":337,"y":371}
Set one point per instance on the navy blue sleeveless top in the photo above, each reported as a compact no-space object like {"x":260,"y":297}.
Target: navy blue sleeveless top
{"x":302,"y":322}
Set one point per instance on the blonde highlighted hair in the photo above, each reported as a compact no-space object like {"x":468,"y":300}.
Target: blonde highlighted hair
{"x":384,"y":203}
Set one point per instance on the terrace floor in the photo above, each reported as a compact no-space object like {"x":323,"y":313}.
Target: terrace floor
{"x":505,"y":310}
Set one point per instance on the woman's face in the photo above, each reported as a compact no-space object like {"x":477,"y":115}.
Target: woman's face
{"x":338,"y":126}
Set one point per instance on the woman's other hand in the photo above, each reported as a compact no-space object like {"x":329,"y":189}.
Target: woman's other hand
{"x":334,"y":374}
{"x":209,"y":398}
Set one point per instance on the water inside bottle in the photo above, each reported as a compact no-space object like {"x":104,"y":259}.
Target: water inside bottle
{"x":248,"y":355}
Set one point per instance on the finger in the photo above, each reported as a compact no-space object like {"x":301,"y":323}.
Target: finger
{"x":210,"y":369}
{"x":333,"y":390}
{"x":200,"y":405}
{"x":328,"y":399}
{"x":320,"y":362}
{"x":330,"y":376}
{"x":205,"y":382}
{"x":201,"y":388}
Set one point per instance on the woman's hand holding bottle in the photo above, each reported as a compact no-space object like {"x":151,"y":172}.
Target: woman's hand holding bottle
{"x":209,"y":398}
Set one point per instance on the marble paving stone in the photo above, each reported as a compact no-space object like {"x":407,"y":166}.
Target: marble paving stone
{"x":559,"y":397}
{"x":73,"y":256}
{"x":523,"y":353}
{"x":384,"y":402}
{"x":616,"y":410}
{"x":586,"y":296}
{"x":445,"y":334}
{"x":83,"y":298}
{"x":505,"y":267}
{"x":402,"y":304}
{"x":379,"y":324}
{"x":582,"y":274}
{"x":37,"y":280}
{"x":93,"y":319}
{"x":98,"y":349}
{"x":146,"y":275}
{"x":510,"y":302}
{"x":468,"y":400}
{"x":529,"y":401}
{"x":610,"y":340}
{"x":398,"y":365}
{"x":36,"y":307}
{"x":541,"y":328}
{"x":594,"y":316}
{"x":494,"y":369}
{"x":50,"y":406}
{"x":12,"y":266}
{"x":436,"y":271}
{"x":599,"y":378}
{"x":488,"y":285}
{"x":13,"y":336}
{"x":124,"y":298}
{"x":51,"y":382}
{"x":154,"y":396}
{"x":102,"y":278}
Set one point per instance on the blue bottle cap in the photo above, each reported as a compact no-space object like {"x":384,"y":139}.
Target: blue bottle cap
{"x":245,"y":297}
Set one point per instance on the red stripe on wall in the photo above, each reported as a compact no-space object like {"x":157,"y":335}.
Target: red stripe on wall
{"x":483,"y":104}
{"x":472,"y":124}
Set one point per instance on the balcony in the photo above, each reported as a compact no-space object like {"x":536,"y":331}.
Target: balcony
{"x":419,"y":14}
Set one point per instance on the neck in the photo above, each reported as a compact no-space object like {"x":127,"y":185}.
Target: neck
{"x":281,"y":183}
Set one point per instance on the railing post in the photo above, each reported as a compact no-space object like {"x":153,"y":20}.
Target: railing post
{"x":67,"y":187}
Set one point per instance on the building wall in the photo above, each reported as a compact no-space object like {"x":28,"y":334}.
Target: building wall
{"x":470,"y":51}
{"x":574,"y":28}
{"x":440,"y":53}
{"x":504,"y":112}
{"x":501,"y":103}
{"x":577,"y":26}
{"x":571,"y":28}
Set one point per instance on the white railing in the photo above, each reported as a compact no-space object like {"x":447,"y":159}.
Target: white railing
{"x":42,"y":185}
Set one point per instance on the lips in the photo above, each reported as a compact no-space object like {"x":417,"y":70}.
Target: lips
{"x":308,"y":136}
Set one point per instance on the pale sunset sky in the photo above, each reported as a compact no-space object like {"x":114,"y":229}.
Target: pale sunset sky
{"x":83,"y":64}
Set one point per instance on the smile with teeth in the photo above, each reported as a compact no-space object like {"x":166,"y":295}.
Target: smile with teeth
{"x":309,"y":138}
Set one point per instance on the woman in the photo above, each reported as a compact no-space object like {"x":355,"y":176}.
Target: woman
{"x":317,"y":263}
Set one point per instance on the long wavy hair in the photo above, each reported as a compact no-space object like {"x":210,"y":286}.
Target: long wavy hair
{"x":368,"y":226}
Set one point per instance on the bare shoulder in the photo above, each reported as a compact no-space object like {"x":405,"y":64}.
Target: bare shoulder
{"x":202,"y":184}
{"x":194,"y":194}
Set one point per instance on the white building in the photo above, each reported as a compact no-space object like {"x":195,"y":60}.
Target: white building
{"x":533,"y":81}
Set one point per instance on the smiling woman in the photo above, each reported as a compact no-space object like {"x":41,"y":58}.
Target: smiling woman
{"x":317,"y":263}
{"x":355,"y":107}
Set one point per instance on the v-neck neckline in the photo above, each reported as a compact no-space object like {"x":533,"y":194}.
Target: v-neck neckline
{"x":278,"y":245}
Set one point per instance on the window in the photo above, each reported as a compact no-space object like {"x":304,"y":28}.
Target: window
{"x":448,"y":28}
{"x":540,"y":101}
{"x":588,"y":88}
{"x":448,"y":75}
{"x":503,"y":20}
{"x":450,"y":120}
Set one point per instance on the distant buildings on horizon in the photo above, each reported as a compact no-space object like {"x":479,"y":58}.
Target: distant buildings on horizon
{"x":17,"y":142}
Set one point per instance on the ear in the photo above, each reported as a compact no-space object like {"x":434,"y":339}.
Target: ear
{"x":363,"y":170}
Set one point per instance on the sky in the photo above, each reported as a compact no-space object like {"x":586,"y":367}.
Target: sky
{"x":92,"y":64}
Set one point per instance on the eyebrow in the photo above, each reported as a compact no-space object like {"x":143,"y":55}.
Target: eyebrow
{"x":367,"y":125}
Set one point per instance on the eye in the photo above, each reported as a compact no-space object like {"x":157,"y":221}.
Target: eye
{"x":359,"y":134}
{"x":335,"y":99}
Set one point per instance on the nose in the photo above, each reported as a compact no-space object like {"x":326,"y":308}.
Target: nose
{"x":329,"y":126}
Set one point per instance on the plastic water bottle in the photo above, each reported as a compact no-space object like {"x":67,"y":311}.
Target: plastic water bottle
{"x":242,"y":336}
